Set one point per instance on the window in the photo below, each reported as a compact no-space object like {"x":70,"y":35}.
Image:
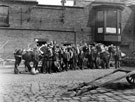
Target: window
{"x":100,"y":21}
{"x":4,"y":16}
{"x":111,"y":18}
{"x":100,"y":18}
{"x":113,"y":21}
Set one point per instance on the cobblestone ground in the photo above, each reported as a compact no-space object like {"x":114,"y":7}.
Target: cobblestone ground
{"x":53,"y":87}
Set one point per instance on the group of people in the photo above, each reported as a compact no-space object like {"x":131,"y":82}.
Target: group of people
{"x":69,"y":57}
{"x":57,"y":58}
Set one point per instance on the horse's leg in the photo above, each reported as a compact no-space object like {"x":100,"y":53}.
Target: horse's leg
{"x":36,"y":65}
{"x":26,"y":68}
{"x":28,"y":65}
{"x":17,"y":63}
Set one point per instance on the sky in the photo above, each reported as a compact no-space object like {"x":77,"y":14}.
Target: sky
{"x":55,"y":2}
{"x":71,"y":2}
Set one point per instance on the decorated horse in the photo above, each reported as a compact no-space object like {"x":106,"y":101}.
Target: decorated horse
{"x":116,"y":54}
{"x":47,"y":58}
{"x":30,"y":56}
{"x":99,"y":56}
{"x":107,"y":53}
{"x":104,"y":55}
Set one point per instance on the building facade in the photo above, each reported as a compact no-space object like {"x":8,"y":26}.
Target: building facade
{"x":23,"y":21}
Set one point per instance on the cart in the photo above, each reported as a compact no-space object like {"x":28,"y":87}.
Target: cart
{"x":87,"y":86}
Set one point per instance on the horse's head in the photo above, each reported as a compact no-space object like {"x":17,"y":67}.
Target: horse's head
{"x":18,"y":52}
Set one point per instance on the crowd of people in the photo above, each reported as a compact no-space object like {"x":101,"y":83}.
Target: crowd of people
{"x":56,"y":58}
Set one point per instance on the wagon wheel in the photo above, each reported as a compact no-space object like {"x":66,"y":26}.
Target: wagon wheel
{"x":131,"y":79}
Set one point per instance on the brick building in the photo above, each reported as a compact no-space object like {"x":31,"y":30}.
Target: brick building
{"x":23,"y":21}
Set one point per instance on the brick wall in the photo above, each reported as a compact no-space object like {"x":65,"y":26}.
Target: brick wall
{"x":29,"y":21}
{"x":42,"y":21}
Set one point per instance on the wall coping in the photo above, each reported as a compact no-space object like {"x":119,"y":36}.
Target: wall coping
{"x":77,"y":7}
{"x":55,"y":30}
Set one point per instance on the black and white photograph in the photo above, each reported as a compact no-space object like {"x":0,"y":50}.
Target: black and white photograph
{"x":67,"y":50}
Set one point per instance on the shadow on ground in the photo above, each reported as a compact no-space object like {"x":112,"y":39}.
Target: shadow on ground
{"x":119,"y":86}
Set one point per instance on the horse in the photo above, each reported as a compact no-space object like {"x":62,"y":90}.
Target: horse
{"x":108,"y":53}
{"x":98,"y":57}
{"x":116,"y":54}
{"x":28,"y":57}
{"x":105,"y":59}
{"x":47,"y":58}
{"x":104,"y":56}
